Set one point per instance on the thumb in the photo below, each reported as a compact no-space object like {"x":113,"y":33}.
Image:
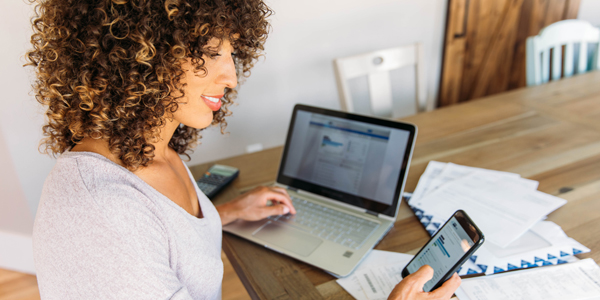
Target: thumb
{"x":422,"y":275}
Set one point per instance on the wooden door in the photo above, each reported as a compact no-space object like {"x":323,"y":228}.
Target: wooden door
{"x":484,"y":49}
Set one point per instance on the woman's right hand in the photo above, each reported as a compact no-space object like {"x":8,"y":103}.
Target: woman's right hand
{"x":411,"y":287}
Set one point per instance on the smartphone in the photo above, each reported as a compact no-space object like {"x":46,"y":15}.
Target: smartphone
{"x":447,"y":249}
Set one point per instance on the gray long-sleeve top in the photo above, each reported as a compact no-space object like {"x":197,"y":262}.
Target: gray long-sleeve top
{"x":103,"y":233}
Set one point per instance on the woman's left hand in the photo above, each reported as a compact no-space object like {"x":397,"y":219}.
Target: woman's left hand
{"x":257,"y":204}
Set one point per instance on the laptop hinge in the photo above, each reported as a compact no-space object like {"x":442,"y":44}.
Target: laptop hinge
{"x":292,"y":189}
{"x":372,"y":213}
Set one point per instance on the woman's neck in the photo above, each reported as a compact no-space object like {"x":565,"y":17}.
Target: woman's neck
{"x":161,"y":147}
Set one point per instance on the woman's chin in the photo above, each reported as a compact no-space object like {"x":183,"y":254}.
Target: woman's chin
{"x":201,"y":123}
{"x":194,"y":118}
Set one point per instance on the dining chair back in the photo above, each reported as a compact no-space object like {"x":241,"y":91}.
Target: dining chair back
{"x":376,"y":66}
{"x":541,"y":66}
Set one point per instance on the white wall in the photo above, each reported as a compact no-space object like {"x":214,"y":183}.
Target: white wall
{"x":20,"y":117}
{"x":306,"y":36}
{"x":590,"y":11}
{"x":15,"y":214}
{"x":22,"y":168}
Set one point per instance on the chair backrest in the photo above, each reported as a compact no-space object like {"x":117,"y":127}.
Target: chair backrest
{"x":376,"y":66}
{"x":565,"y":33}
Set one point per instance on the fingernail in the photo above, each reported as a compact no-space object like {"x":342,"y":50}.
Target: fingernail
{"x":286,"y":210}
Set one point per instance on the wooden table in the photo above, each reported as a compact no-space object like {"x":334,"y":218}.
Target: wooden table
{"x":549,"y":133}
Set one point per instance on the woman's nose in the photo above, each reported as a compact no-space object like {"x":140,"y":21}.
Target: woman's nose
{"x":228,"y":76}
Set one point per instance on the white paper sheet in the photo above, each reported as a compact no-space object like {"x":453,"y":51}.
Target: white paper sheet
{"x":378,"y":283}
{"x":452,"y":172}
{"x":545,"y":244}
{"x":375,"y":259}
{"x":501,"y":207}
{"x":575,"y":281}
{"x":433,"y":170}
{"x":437,"y":174}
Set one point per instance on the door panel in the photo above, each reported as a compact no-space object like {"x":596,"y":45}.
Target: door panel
{"x":488,"y":16}
{"x":484,"y":50}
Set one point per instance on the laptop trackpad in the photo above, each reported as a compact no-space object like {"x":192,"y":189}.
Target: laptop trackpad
{"x":288,"y":238}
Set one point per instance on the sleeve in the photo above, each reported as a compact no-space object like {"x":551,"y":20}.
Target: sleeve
{"x":116,"y":248}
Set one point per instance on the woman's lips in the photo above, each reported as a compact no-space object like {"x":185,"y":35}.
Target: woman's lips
{"x":213,"y":102}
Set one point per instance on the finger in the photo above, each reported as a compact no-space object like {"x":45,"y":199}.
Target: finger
{"x":448,"y":288}
{"x":277,"y":209}
{"x":280,"y":189}
{"x":282,"y":199}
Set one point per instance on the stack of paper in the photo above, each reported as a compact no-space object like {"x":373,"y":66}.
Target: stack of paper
{"x":507,"y":208}
{"x":576,"y":281}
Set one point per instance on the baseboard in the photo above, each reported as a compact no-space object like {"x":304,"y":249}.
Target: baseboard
{"x":16,"y":252}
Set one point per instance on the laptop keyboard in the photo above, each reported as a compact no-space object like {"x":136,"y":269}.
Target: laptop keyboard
{"x":329,"y":224}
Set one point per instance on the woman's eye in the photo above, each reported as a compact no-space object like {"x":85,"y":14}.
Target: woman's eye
{"x":216,"y":55}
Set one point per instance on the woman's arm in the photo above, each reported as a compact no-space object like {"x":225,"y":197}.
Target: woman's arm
{"x":256,"y":204}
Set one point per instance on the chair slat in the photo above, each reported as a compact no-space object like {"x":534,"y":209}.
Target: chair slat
{"x":380,"y":90}
{"x":420,"y":74}
{"x":545,"y":66}
{"x":582,"y":66}
{"x":569,"y":53}
{"x":534,"y":59}
{"x":556,"y":62}
{"x":345,"y":96}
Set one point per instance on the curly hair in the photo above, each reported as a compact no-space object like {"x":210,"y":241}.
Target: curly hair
{"x":106,"y":69}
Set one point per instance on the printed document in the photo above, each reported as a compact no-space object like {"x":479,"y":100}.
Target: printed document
{"x":545,"y":243}
{"x":437,"y":174}
{"x":500,"y":206}
{"x":574,"y":281}
{"x":378,"y":283}
{"x":375,"y":260}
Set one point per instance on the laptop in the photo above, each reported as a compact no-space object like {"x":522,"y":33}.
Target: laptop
{"x":345,"y":174}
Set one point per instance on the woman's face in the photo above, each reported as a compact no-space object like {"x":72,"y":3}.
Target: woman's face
{"x":204,"y":91}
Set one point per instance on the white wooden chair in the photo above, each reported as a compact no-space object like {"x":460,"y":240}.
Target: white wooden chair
{"x":377,"y":66}
{"x":563,"y":33}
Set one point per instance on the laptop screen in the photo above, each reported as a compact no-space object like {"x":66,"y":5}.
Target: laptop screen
{"x":355,"y":159}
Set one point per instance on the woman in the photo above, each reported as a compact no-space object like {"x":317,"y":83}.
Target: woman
{"x":128,"y":85}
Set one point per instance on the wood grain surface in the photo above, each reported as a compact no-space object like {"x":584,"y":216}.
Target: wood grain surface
{"x":549,"y":133}
{"x":490,"y":57}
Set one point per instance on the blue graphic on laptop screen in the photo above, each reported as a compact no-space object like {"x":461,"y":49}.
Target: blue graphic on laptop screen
{"x":349,"y":156}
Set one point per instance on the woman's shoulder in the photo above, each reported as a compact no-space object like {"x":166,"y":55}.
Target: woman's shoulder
{"x":89,"y":172}
{"x":95,"y":220}
{"x":87,"y":181}
{"x":85,"y":192}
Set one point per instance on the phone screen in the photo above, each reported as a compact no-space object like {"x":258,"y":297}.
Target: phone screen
{"x":442,"y":252}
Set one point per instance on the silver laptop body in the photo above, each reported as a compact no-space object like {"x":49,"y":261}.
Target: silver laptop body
{"x":345,"y":174}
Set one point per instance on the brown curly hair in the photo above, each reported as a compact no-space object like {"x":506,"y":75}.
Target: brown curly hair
{"x":106,"y":68}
